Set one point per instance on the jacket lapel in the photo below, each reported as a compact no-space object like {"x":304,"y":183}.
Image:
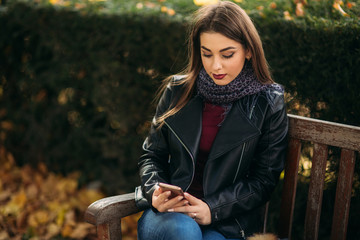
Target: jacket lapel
{"x":186,"y":124}
{"x":236,"y":129}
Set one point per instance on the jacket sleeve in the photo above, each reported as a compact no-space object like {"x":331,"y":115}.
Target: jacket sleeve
{"x":255,"y":189}
{"x":153,"y":163}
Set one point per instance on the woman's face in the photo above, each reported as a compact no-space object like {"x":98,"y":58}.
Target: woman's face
{"x":222,"y":57}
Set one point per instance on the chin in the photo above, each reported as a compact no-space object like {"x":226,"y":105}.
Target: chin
{"x":221,"y":82}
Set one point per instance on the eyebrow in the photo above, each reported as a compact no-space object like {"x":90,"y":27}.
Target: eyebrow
{"x":222,"y":50}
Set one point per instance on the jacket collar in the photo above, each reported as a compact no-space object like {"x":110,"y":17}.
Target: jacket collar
{"x":235,"y":129}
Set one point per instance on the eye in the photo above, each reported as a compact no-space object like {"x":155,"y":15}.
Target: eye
{"x":228,"y":56}
{"x":206,"y":55}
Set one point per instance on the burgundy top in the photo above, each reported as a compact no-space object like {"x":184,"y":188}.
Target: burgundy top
{"x":212,"y":116}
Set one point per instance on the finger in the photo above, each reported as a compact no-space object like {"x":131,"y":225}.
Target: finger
{"x":157,"y":191}
{"x":183,"y":209}
{"x":182,"y":203}
{"x":157,"y":201}
{"x":173,"y":202}
{"x":192,"y":200}
{"x":170,"y":204}
{"x":194,"y":216}
{"x":164,"y":197}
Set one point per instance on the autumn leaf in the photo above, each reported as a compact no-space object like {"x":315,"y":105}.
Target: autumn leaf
{"x":16,"y":203}
{"x":204,"y":2}
{"x":337,"y":6}
{"x":81,"y":230}
{"x":42,"y":204}
{"x":287,"y":16}
{"x":52,"y":230}
{"x":299,"y":11}
{"x":273,"y":5}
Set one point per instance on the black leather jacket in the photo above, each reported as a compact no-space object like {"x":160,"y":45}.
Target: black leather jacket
{"x":244,"y":163}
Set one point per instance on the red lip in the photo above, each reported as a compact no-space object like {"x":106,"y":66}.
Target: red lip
{"x":219,"y":76}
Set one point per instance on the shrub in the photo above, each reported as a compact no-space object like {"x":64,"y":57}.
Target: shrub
{"x":76,"y":88}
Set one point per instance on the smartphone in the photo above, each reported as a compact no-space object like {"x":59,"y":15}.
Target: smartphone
{"x":175,"y":190}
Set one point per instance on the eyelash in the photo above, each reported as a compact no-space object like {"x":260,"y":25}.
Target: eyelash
{"x":224,"y":56}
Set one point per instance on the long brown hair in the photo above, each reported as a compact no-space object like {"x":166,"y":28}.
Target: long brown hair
{"x":230,"y":20}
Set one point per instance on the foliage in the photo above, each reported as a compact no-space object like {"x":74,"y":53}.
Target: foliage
{"x":335,"y":9}
{"x":70,"y":110}
{"x":316,"y":60}
{"x":36,"y":202}
{"x":76,"y":80}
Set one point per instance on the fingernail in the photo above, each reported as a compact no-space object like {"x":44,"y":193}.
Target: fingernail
{"x":180,"y":198}
{"x":170,"y":210}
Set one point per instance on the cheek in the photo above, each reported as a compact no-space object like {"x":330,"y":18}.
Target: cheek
{"x":206,"y":64}
{"x":237,"y":66}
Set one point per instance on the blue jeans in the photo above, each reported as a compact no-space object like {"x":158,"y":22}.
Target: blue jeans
{"x":173,"y":226}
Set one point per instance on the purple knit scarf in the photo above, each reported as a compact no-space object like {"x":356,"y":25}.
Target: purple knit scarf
{"x":244,"y":84}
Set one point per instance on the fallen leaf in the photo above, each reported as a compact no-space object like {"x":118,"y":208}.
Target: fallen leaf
{"x":16,"y":203}
{"x":52,"y":231}
{"x":32,"y":191}
{"x":81,"y":230}
{"x":66,"y":231}
{"x":5,"y":195}
{"x":4,"y":235}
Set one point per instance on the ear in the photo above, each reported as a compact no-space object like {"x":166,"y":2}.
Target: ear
{"x":248,"y":54}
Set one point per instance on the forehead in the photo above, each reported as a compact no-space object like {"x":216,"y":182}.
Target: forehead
{"x":217,"y":41}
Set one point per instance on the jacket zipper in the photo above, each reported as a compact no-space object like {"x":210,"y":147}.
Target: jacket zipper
{"x":243,"y":148}
{"x":241,"y":157}
{"x":241,"y":230}
{"x":191,"y":156}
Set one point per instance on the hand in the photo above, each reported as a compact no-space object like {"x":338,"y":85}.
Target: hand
{"x":196,"y":209}
{"x":161,"y":201}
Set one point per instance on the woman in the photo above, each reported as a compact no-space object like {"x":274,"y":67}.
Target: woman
{"x":219,"y":133}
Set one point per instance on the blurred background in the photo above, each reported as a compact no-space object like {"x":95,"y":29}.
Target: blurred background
{"x":77,"y":80}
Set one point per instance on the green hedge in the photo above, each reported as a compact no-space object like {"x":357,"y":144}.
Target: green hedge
{"x":76,"y":89}
{"x":318,"y":62}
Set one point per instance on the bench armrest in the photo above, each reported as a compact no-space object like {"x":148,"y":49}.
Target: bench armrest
{"x":111,"y":209}
{"x":106,"y":215}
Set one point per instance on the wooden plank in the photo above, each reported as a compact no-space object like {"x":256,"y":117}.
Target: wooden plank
{"x":324,"y":132}
{"x":343,"y":195}
{"x":313,"y":207}
{"x":289,"y":188}
{"x":103,"y":231}
{"x":111,"y":209}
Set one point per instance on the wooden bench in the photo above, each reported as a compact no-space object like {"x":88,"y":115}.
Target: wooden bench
{"x":106,"y":213}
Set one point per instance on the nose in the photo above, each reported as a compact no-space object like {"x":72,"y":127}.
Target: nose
{"x":217,"y":65}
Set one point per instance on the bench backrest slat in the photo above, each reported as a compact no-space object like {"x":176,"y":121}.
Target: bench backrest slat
{"x":289,"y":188}
{"x":314,"y":201}
{"x":343,"y":195}
{"x":322,"y":135}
